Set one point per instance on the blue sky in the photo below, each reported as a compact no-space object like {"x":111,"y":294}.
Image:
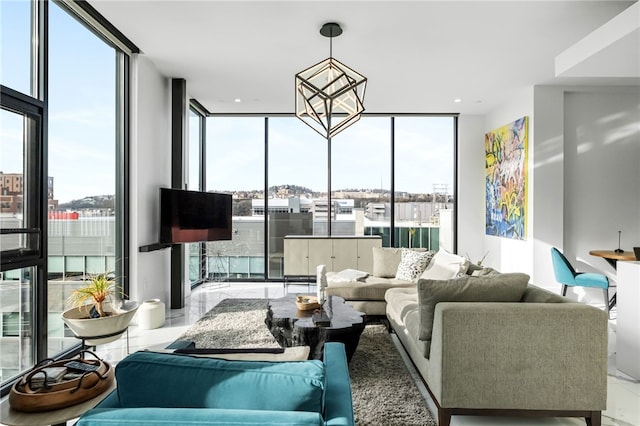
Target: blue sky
{"x":360,"y":154}
{"x":82,"y":107}
{"x":81,"y":101}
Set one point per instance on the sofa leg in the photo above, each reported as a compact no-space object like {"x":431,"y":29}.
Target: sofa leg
{"x":595,"y":419}
{"x":444,"y":416}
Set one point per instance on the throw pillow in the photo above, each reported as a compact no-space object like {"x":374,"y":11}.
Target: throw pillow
{"x":412,"y":264}
{"x":507,"y":287}
{"x":385,"y":261}
{"x":445,"y":266}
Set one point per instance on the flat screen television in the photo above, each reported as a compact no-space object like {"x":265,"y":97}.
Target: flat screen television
{"x":193,"y":216}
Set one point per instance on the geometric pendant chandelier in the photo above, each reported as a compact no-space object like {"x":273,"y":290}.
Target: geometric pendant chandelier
{"x":329,"y":94}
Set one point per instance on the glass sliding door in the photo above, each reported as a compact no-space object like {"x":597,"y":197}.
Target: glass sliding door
{"x":83,"y":146}
{"x":235,"y":164}
{"x":424,"y":171}
{"x":361,"y":179}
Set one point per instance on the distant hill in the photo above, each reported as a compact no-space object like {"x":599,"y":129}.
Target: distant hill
{"x":92,"y":202}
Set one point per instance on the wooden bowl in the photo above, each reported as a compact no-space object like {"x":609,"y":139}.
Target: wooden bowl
{"x":307,"y":303}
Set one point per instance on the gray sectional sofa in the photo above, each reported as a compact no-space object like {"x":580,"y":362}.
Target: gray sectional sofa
{"x":487,"y":343}
{"x":542,"y":355}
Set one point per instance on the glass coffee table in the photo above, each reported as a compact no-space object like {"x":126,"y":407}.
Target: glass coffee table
{"x":293,"y":327}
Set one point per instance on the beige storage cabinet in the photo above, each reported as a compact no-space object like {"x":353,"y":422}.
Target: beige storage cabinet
{"x":302,"y":254}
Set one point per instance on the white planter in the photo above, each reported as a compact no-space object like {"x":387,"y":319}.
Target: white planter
{"x":91,"y":329}
{"x":151,"y":314}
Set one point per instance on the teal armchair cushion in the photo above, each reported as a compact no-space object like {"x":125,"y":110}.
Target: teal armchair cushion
{"x":589,"y":279}
{"x":149,"y":379}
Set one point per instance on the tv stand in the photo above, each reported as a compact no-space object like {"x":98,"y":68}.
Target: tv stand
{"x":154,"y":247}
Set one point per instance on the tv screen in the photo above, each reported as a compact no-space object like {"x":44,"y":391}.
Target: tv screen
{"x":193,"y":216}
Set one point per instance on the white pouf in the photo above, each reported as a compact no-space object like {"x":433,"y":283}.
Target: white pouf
{"x":151,"y":314}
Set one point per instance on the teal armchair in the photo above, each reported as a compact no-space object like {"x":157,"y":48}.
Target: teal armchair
{"x":567,"y":276}
{"x":161,"y":389}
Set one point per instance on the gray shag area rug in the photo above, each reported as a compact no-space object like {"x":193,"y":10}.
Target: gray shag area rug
{"x":384,"y":393}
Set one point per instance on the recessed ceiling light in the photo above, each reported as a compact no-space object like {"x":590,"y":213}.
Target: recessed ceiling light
{"x":457,"y":100}
{"x":237,"y":100}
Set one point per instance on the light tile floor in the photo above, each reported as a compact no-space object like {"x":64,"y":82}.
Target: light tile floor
{"x":623,"y":399}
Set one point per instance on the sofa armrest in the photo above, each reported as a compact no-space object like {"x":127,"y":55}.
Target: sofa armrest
{"x":338,"y":399}
{"x":544,"y":356}
{"x":110,"y":401}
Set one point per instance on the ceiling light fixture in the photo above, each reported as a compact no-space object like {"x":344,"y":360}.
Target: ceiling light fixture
{"x":329,"y":94}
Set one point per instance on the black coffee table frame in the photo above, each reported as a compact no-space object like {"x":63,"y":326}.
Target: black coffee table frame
{"x":293,"y":327}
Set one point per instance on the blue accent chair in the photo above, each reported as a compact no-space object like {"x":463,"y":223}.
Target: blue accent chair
{"x":567,"y":276}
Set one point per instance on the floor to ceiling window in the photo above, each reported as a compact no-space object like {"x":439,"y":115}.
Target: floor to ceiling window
{"x":21,"y":182}
{"x":361,"y":178}
{"x":63,"y":173}
{"x":235,"y":164}
{"x":424,"y":157}
{"x":194,"y":173}
{"x":297,"y":182}
{"x":82,"y":163}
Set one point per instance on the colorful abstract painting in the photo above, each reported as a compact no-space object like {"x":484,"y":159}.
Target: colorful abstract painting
{"x":506,"y":180}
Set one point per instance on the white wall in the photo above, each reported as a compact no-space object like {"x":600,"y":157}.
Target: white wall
{"x":588,"y":179}
{"x":601,"y":179}
{"x":471,"y":219}
{"x":150,"y":169}
{"x":584,"y":180}
{"x":548,"y":188}
{"x":505,"y":254}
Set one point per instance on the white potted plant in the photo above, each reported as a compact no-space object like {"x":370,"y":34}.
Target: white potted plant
{"x":95,"y":315}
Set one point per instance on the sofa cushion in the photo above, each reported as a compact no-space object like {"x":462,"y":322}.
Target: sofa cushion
{"x":194,"y":382}
{"x":385,"y":261}
{"x":402,"y":311}
{"x":373,"y":288}
{"x":507,"y":287}
{"x":412,"y":264}
{"x":444,"y":266}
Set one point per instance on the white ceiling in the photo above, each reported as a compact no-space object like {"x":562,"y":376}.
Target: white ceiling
{"x":418,"y":56}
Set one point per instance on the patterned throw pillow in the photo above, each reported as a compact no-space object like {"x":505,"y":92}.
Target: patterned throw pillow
{"x":412,"y":264}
